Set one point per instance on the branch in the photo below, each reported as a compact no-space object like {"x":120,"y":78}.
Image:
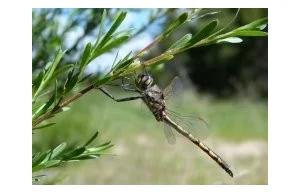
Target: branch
{"x":50,"y":113}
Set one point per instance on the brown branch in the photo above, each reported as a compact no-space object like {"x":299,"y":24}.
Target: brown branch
{"x":50,"y":113}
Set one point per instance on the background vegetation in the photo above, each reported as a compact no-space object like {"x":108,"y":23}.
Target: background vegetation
{"x":224,"y":83}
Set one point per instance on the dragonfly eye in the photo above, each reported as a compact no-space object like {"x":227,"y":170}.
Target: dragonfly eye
{"x":144,"y":81}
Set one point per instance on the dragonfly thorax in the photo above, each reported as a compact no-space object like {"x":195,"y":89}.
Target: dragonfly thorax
{"x":143,"y":81}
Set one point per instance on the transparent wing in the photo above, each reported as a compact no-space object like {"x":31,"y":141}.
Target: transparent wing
{"x":174,"y":89}
{"x":143,"y":108}
{"x":169,"y":134}
{"x":167,"y":129}
{"x":197,"y":126}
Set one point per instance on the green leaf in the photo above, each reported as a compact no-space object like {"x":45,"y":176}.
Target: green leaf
{"x":44,"y":107}
{"x":85,"y":56}
{"x":101,"y":29}
{"x":230,"y":40}
{"x":52,"y":163}
{"x":44,"y":126}
{"x":71,"y":81}
{"x":98,"y":150}
{"x":58,"y":150}
{"x":124,"y":64}
{"x":181,"y":42}
{"x":74,"y":153}
{"x":36,"y":158}
{"x":55,"y":93}
{"x":113,"y":28}
{"x":63,"y":109}
{"x":62,"y":70}
{"x":37,"y":82}
{"x":205,"y":32}
{"x":179,"y":21}
{"x":262,"y":27}
{"x":254,"y":25}
{"x":202,"y":15}
{"x":88,"y":157}
{"x":48,"y":65}
{"x":40,"y":158}
{"x":91,"y":139}
{"x":126,"y":32}
{"x":38,"y":167}
{"x":54,"y":64}
{"x":85,"y":77}
{"x":51,"y":66}
{"x":38,"y":111}
{"x":249,"y":33}
{"x":112,"y":44}
{"x":165,"y":58}
{"x":49,"y":103}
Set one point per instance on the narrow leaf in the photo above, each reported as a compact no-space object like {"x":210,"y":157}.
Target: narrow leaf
{"x":113,"y":28}
{"x":179,"y":21}
{"x":38,"y":167}
{"x":124,"y":64}
{"x":181,"y":42}
{"x":112,"y":44}
{"x":62,"y":70}
{"x":85,"y":77}
{"x":63,"y":109}
{"x":101,"y":29}
{"x":71,"y":83}
{"x":74,"y":153}
{"x":249,"y":33}
{"x":113,"y":65}
{"x":52,"y":163}
{"x":40,"y":158}
{"x":58,"y":150}
{"x":98,"y":150}
{"x":49,"y":103}
{"x":54,"y":64}
{"x":55,"y":93}
{"x":253,"y":25}
{"x":38,"y":111}
{"x":38,"y":80}
{"x":88,"y":157}
{"x":35,"y":158}
{"x":126,"y":32}
{"x":91,"y":139}
{"x":157,"y":61}
{"x":262,"y":27}
{"x":85,"y":56}
{"x":205,"y":32}
{"x":44,"y":107}
{"x":230,"y":40}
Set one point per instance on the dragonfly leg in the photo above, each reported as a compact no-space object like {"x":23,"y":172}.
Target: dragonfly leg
{"x":119,"y":99}
{"x":125,"y":88}
{"x":123,"y":85}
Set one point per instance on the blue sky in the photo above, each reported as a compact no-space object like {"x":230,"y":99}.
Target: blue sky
{"x":133,"y":20}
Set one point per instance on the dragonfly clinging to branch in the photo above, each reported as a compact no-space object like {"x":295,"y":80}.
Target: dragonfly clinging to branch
{"x":155,"y":98}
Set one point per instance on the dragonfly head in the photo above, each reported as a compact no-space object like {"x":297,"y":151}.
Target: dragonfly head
{"x":143,"y":81}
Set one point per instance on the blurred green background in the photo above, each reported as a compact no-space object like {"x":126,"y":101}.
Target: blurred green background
{"x":225,"y":84}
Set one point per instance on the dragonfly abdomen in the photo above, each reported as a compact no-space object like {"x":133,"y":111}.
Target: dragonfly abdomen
{"x":201,"y":145}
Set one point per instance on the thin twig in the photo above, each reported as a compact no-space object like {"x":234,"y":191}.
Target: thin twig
{"x":50,"y":113}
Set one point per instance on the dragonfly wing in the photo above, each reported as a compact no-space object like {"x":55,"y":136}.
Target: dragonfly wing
{"x":173,"y":89}
{"x":169,"y":134}
{"x":197,"y":126}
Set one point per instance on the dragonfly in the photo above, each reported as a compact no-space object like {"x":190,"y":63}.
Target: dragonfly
{"x":155,"y":99}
